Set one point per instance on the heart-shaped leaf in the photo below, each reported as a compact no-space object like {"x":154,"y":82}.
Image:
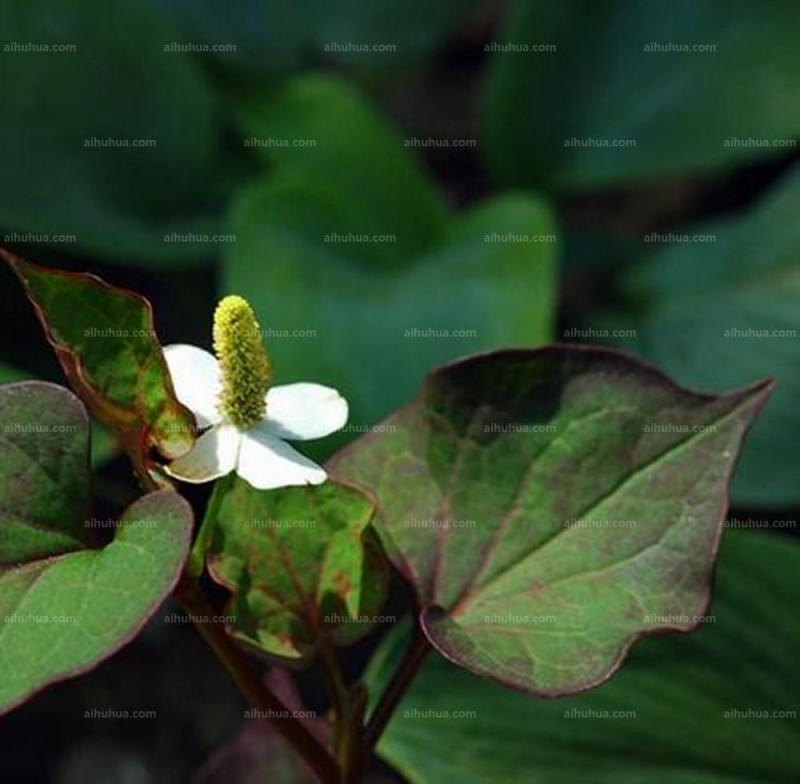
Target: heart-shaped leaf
{"x":717,"y":707}
{"x":322,"y":128}
{"x":105,"y":340}
{"x":717,"y":314}
{"x":136,"y":161}
{"x":300,"y":565}
{"x":550,"y":507}
{"x":604,"y":104}
{"x":67,"y":603}
{"x":346,"y":256}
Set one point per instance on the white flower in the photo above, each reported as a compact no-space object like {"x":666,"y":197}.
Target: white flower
{"x":258,"y":452}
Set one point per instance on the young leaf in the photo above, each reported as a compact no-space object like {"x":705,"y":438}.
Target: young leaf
{"x":105,"y":341}
{"x":300,"y":565}
{"x":64,"y":604}
{"x":718,"y":707}
{"x":550,"y":507}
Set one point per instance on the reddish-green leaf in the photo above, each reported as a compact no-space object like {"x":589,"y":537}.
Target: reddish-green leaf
{"x":106,"y":343}
{"x":300,"y":564}
{"x":66,"y":602}
{"x":550,"y":507}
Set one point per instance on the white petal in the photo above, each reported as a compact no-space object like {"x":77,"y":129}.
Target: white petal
{"x":214,"y":455}
{"x":267,"y":462}
{"x":303,"y":411}
{"x":196,"y":378}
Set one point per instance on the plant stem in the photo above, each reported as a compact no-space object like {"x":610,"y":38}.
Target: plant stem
{"x":415,"y":654}
{"x":197,"y":557}
{"x":245,"y":674}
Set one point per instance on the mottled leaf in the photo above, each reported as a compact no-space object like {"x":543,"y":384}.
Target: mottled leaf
{"x":300,"y":565}
{"x":550,"y":507}
{"x":105,"y":340}
{"x":68,"y":597}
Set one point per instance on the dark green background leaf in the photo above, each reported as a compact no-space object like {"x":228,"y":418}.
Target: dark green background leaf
{"x":550,"y":507}
{"x":601,"y":83}
{"x":117,"y":83}
{"x":717,"y":314}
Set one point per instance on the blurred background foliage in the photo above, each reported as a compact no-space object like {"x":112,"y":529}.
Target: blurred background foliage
{"x":219,"y":204}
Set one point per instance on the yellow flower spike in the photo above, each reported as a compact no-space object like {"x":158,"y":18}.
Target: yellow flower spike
{"x":244,"y":366}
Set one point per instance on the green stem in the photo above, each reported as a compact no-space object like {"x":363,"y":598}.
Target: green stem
{"x":197,"y":557}
{"x":247,"y":677}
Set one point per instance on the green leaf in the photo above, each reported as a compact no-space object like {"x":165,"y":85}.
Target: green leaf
{"x":719,"y":313}
{"x":574,"y":486}
{"x":9,"y":374}
{"x":105,"y":340}
{"x":300,"y":565}
{"x":271,"y":35}
{"x":686,"y":111}
{"x":346,"y":314}
{"x":66,"y":603}
{"x":59,"y":185}
{"x":347,"y":148}
{"x":685,"y":693}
